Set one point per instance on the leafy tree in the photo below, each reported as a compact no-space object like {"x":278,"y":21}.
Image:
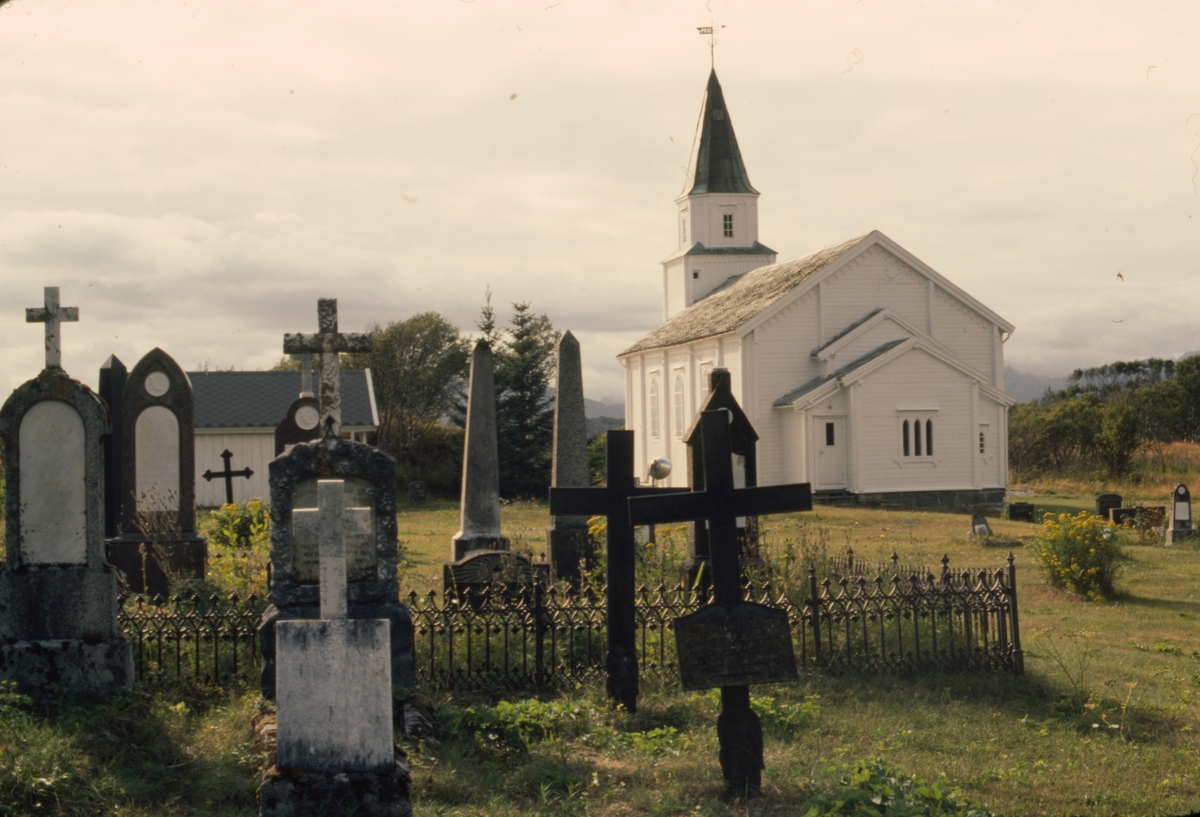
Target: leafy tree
{"x":1118,"y":438}
{"x":417,"y":367}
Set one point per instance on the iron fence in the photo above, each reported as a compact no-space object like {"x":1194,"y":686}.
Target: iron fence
{"x":951,"y":620}
{"x":214,"y":639}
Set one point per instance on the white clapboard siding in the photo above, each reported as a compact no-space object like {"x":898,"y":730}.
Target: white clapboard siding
{"x":254,"y":449}
{"x":874,"y":278}
{"x":965,"y":333}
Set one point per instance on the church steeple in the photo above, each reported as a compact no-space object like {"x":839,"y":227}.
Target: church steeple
{"x":718,"y":212}
{"x":716,"y":165}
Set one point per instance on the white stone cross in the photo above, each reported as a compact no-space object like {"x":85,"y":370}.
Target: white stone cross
{"x":328,"y":342}
{"x":52,"y":315}
{"x":332,"y":523}
{"x":305,"y":373}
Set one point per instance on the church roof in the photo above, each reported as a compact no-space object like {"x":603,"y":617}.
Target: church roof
{"x":699,"y":249}
{"x":716,"y":165}
{"x":262,"y":399}
{"x":738,"y":299}
{"x":817,"y":382}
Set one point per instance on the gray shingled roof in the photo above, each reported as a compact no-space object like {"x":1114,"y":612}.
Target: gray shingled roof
{"x":846,"y":331}
{"x":738,"y":299}
{"x":817,"y":382}
{"x":262,"y":399}
{"x":716,"y":165}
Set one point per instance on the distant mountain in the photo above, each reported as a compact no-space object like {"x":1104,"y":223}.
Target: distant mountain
{"x":594,"y":408}
{"x":1026,"y":387}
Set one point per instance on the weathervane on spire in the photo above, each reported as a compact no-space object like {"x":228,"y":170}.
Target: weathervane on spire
{"x":711,"y":31}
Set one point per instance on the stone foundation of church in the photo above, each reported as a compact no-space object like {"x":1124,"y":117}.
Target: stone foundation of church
{"x":987,"y":500}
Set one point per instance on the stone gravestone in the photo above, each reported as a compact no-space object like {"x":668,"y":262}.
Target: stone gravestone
{"x":303,"y":421}
{"x":58,"y":598}
{"x":1145,"y":516}
{"x":334,"y":692}
{"x":979,"y":526}
{"x":112,"y":385}
{"x":696,"y":569}
{"x":158,"y":538}
{"x":567,"y":542}
{"x":1106,"y":502}
{"x":369,"y":518}
{"x":742,"y":643}
{"x":1181,"y":515}
{"x":1020,"y":512}
{"x":612,"y":502}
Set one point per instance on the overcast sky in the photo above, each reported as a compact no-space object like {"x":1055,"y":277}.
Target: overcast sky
{"x":194,"y":175}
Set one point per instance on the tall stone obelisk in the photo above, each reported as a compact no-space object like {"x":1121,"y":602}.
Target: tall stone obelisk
{"x":479,"y":526}
{"x":567,"y":541}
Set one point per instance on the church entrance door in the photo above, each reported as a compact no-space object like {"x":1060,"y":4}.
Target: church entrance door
{"x":829,"y":436}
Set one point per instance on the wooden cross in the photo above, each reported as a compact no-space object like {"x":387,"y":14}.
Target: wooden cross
{"x":328,"y":343}
{"x":228,"y":475}
{"x":738,"y":728}
{"x":52,"y":315}
{"x":323,"y":523}
{"x":613,"y":502}
{"x":305,"y":373}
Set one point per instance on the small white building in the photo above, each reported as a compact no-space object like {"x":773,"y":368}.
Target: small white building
{"x":238,"y":411}
{"x":864,"y":371}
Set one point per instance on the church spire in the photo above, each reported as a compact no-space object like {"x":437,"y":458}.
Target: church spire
{"x":716,"y":165}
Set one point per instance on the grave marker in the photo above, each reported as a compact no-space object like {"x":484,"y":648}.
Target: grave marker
{"x":479,"y":515}
{"x":612,"y":502}
{"x":334,"y":694}
{"x":112,"y":384}
{"x":1106,"y":502}
{"x":58,"y":598}
{"x":328,"y":343}
{"x":1181,"y":515}
{"x":720,"y":504}
{"x":567,"y":540}
{"x":158,"y":508}
{"x":228,"y":474}
{"x":1021,"y":512}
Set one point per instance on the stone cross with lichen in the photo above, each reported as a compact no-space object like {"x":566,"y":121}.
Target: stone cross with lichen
{"x":52,"y":315}
{"x":328,"y":343}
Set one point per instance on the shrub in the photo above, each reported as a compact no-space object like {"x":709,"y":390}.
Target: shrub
{"x":237,"y":524}
{"x":1081,"y":553}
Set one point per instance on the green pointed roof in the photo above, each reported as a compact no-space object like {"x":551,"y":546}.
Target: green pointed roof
{"x":716,"y":165}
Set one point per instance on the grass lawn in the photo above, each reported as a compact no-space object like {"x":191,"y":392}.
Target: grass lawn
{"x":1104,"y":720}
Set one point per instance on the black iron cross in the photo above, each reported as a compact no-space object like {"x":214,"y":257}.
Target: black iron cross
{"x":328,"y":342}
{"x":228,"y":474}
{"x":738,"y":728}
{"x":612,"y":502}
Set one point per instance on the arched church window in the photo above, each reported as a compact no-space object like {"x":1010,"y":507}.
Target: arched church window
{"x":678,"y":405}
{"x":907,"y":451}
{"x":917,"y":438}
{"x":929,"y":438}
{"x":654,"y":407}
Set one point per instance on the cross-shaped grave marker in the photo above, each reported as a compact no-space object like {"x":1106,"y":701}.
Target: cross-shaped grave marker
{"x":730,"y":643}
{"x":328,"y":343}
{"x":228,"y":474}
{"x":613,"y":503}
{"x":52,"y":315}
{"x":306,"y":360}
{"x":331,"y":523}
{"x":310,"y":525}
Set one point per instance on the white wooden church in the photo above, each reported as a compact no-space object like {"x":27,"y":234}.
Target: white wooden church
{"x":864,"y":371}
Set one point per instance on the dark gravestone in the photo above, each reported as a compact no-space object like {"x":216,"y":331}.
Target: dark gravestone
{"x":697,"y":569}
{"x":1106,"y":502}
{"x":738,"y":728}
{"x":1020,"y":512}
{"x":228,"y":474}
{"x":373,"y":590}
{"x":720,"y":646}
{"x":1150,"y":516}
{"x":1181,"y":515}
{"x":158,"y":538}
{"x":112,"y":386}
{"x":416,"y":492}
{"x":612,"y":502}
{"x":493,"y":570}
{"x":301,"y":425}
{"x":58,"y":597}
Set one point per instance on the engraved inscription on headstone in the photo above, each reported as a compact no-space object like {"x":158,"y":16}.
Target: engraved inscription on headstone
{"x":721,"y":646}
{"x":53,"y":514}
{"x":359,"y":522}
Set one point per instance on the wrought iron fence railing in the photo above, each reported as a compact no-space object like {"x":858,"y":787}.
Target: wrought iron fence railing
{"x":858,"y":618}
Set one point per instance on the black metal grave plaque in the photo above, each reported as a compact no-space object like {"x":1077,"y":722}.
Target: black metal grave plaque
{"x":747,"y":643}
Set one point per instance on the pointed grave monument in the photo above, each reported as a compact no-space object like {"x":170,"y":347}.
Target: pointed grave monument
{"x":58,"y":597}
{"x":112,"y":385}
{"x":334,"y":749}
{"x":158,"y":540}
{"x":369,"y":516}
{"x":567,"y":542}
